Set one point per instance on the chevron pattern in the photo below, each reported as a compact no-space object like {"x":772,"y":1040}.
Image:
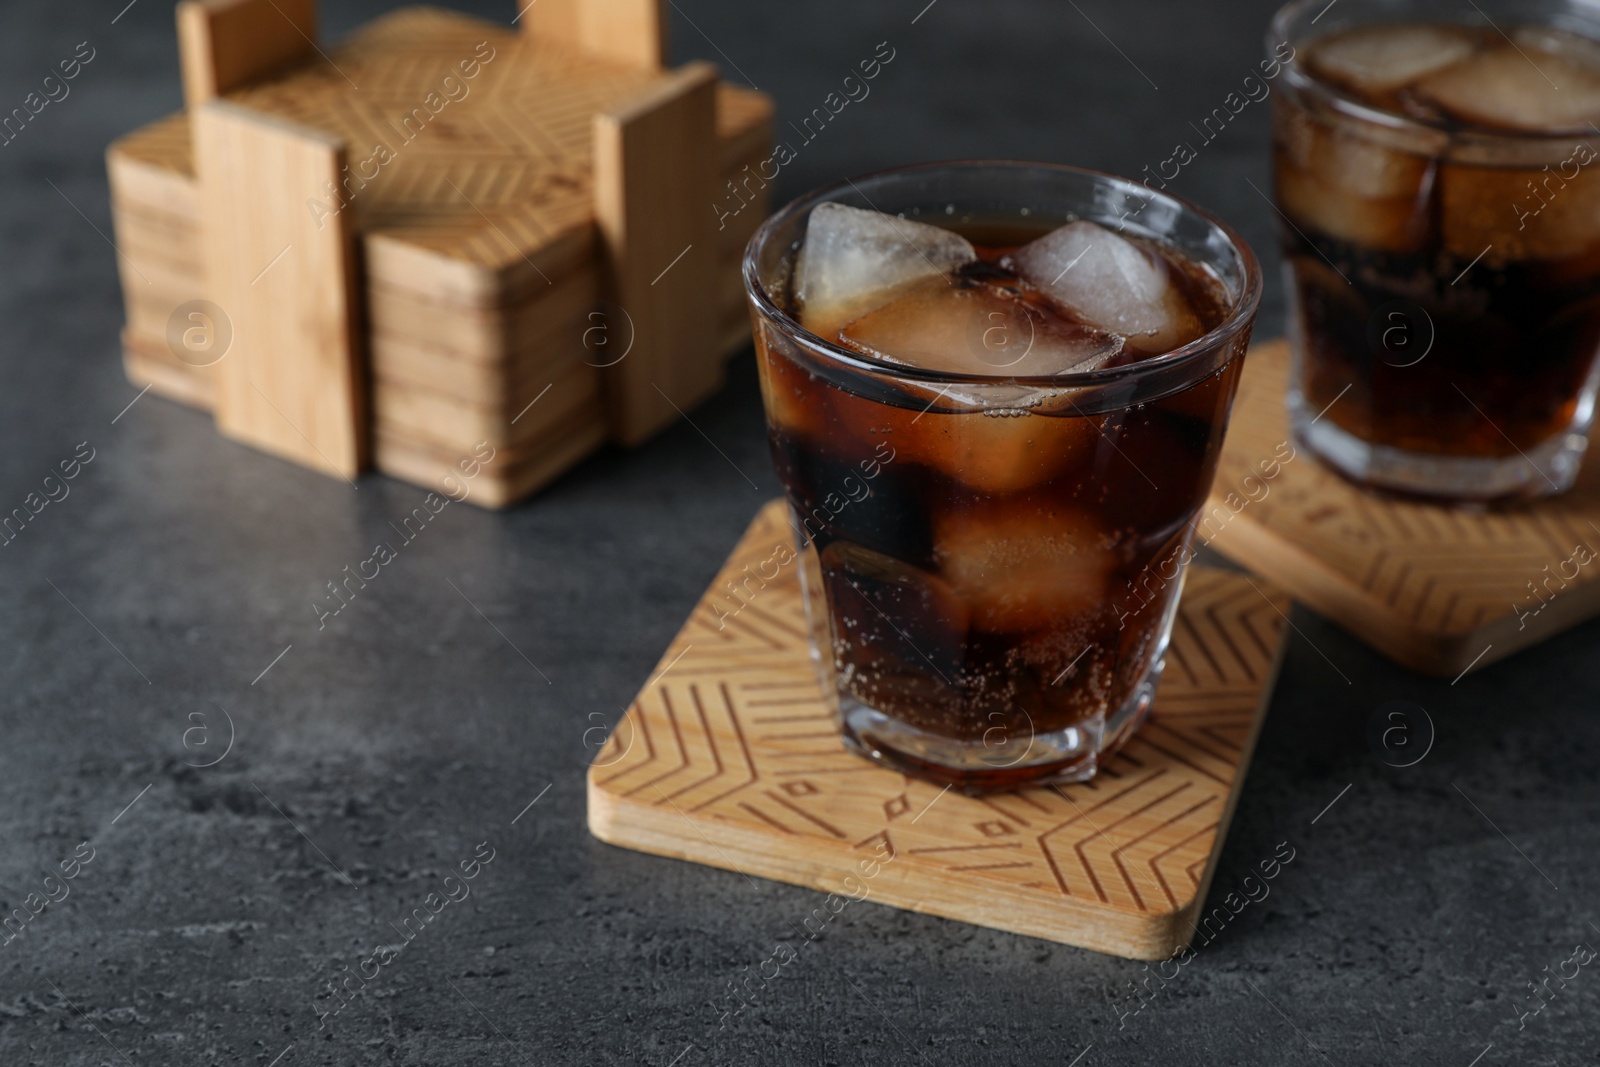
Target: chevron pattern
{"x":1434,"y":587}
{"x":730,"y":756}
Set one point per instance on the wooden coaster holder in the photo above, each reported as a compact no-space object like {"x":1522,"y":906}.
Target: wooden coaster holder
{"x":436,"y":240}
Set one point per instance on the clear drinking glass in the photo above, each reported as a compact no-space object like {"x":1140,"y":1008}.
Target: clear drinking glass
{"x":1441,"y":237}
{"x":992,"y":563}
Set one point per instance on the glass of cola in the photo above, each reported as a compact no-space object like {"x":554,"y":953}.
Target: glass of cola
{"x":996,"y":394}
{"x":1436,"y":170}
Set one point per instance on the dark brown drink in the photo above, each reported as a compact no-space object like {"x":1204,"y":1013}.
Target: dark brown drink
{"x":1443,"y":240}
{"x":998,"y":560}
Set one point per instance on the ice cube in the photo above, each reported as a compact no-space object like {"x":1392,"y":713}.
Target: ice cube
{"x":1374,"y":60}
{"x":1549,"y":213}
{"x":896,"y":619}
{"x":1345,"y":181}
{"x":991,"y":450}
{"x":855,"y":260}
{"x":1023,"y":565}
{"x":1003,"y":453}
{"x":968,"y":326}
{"x":1361,"y":158}
{"x":796,"y":401}
{"x":1111,"y":282}
{"x":1574,"y":48}
{"x":1510,"y":89}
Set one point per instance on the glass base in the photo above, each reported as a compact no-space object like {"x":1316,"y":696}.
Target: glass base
{"x":1549,"y":469}
{"x":995,"y":764}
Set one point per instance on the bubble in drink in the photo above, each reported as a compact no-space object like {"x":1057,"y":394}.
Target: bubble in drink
{"x":887,"y":589}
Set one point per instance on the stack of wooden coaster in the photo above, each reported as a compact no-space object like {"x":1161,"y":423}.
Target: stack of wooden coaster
{"x":531,"y":229}
{"x":155,"y":204}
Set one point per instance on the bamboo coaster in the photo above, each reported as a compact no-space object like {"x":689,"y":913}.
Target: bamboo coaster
{"x":1441,"y":590}
{"x":729,"y":757}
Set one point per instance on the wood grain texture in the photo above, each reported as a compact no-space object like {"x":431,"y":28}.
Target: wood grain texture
{"x":511,"y":475}
{"x":654,"y":186}
{"x":292,"y":383}
{"x":517,"y":149}
{"x":433,"y":416}
{"x":518,"y":334}
{"x":745,"y":128}
{"x":223,"y":44}
{"x":626,"y":31}
{"x":1436,"y":588}
{"x":480,"y":250}
{"x":440,"y":370}
{"x":488,"y":141}
{"x":731,"y":757}
{"x":152,"y":169}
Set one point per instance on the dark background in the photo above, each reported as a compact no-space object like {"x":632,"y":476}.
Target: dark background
{"x":1406,"y":930}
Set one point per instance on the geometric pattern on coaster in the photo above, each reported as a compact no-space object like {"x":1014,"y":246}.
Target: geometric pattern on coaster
{"x":1442,"y":590}
{"x":731,"y":757}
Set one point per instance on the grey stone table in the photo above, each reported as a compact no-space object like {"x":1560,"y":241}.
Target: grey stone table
{"x":168,"y":594}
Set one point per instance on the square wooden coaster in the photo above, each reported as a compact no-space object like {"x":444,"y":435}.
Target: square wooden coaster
{"x":731,"y":757}
{"x":1442,"y":590}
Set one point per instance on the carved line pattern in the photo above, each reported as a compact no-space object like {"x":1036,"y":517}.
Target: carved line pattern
{"x":759,"y":754}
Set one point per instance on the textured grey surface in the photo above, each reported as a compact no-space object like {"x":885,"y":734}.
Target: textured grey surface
{"x":375,"y":755}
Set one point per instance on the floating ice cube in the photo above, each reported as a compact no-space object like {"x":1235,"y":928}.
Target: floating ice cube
{"x":854,"y":260}
{"x":1007,"y":453}
{"x":797,"y":402}
{"x":899,"y":619}
{"x":1357,"y":157}
{"x":1024,"y":566}
{"x":1111,"y":282}
{"x":1512,"y":89}
{"x":994,"y":437}
{"x":900,"y":639}
{"x":1344,"y":183}
{"x":972,"y":327}
{"x":1551,"y":214}
{"x":1375,"y":60}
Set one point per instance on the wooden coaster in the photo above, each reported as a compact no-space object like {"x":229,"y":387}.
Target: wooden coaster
{"x":1439,"y":589}
{"x":731,"y":757}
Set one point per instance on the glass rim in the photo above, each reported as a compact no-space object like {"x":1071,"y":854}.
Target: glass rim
{"x":1343,"y":101}
{"x":1240,"y":315}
